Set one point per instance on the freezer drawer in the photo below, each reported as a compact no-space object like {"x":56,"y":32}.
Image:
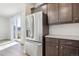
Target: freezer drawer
{"x":33,"y":48}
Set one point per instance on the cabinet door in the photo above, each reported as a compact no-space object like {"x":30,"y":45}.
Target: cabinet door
{"x":75,"y":12}
{"x":68,"y":51}
{"x":51,"y":49}
{"x":53,"y":13}
{"x":65,"y":13}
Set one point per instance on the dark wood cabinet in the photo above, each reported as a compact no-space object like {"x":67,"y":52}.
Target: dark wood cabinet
{"x":65,"y":12}
{"x":51,"y":49}
{"x":75,"y":12}
{"x":61,"y":47}
{"x":53,"y":13}
{"x":59,"y":13}
{"x":66,"y":50}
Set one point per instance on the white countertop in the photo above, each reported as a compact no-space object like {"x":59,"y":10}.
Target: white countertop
{"x":63,"y":36}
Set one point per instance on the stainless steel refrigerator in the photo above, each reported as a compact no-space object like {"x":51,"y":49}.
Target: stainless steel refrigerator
{"x":36,"y":29}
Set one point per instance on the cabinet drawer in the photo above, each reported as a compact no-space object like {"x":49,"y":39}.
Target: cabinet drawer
{"x":70,"y":42}
{"x":51,"y":40}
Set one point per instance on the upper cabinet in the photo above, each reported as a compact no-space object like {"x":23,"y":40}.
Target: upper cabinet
{"x":59,"y":13}
{"x":53,"y":13}
{"x":65,"y":13}
{"x":76,"y":12}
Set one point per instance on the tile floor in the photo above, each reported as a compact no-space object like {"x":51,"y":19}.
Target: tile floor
{"x":15,"y":50}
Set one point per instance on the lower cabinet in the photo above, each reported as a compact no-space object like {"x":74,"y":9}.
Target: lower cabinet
{"x":65,"y":50}
{"x":59,"y":48}
{"x":51,"y":50}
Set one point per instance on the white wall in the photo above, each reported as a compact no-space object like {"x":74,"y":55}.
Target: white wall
{"x":65,"y":29}
{"x":4,"y":28}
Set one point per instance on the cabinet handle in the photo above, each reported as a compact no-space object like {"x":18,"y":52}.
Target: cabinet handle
{"x":75,"y":19}
{"x":61,"y":47}
{"x":56,"y":46}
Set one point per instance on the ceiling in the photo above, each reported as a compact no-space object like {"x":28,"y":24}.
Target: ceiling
{"x":9,"y":9}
